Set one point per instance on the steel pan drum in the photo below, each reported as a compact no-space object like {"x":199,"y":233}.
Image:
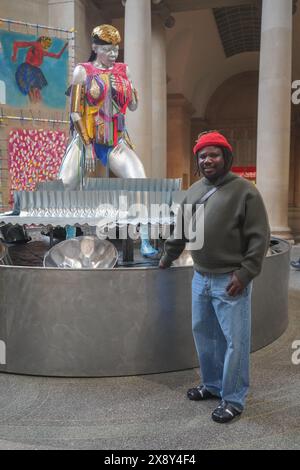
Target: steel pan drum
{"x":4,"y":256}
{"x":82,"y":253}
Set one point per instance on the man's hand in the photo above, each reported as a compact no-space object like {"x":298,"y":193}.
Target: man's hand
{"x":235,"y":287}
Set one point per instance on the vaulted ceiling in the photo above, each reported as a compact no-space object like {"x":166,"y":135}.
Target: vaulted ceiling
{"x":239,"y":28}
{"x":238,"y":21}
{"x":114,"y":8}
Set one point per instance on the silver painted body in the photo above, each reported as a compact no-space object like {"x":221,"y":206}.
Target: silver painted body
{"x":69,"y":171}
{"x":118,"y":321}
{"x":125,"y":163}
{"x":122,"y":161}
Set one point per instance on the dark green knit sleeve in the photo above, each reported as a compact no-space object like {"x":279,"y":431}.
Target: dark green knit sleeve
{"x":256,"y":233}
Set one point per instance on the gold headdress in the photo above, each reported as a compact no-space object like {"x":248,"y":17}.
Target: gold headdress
{"x":107,"y":33}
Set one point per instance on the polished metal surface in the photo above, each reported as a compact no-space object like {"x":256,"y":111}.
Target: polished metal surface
{"x":124,"y":162}
{"x":110,"y":198}
{"x":184,"y":260}
{"x":82,"y":252}
{"x":69,"y":172}
{"x":4,"y":256}
{"x":116,"y":322}
{"x":133,"y":184}
{"x":2,"y":252}
{"x":95,"y":322}
{"x":270,"y":296}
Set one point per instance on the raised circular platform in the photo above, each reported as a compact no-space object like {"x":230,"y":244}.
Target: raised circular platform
{"x":122,"y":321}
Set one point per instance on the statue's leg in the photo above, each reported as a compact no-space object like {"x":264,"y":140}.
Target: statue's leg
{"x":69,"y":171}
{"x":146,"y":248}
{"x":125,"y":163}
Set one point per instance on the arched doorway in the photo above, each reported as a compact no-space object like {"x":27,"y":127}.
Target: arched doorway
{"x":232,"y":109}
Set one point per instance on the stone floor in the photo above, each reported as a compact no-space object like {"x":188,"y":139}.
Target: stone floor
{"x":151,"y":412}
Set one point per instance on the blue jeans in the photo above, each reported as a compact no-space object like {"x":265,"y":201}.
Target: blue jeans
{"x":222,"y":334}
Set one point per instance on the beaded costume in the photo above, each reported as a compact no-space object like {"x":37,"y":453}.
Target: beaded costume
{"x":107,"y":95}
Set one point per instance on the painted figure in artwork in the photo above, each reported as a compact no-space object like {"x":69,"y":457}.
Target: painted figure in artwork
{"x":29,"y":76}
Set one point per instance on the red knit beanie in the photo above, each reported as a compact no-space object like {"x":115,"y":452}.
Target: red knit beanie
{"x":213,"y":138}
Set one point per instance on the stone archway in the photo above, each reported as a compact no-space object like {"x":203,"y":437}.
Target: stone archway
{"x":232,"y":109}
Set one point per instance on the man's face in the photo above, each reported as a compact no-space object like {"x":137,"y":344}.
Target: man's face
{"x":211,"y":162}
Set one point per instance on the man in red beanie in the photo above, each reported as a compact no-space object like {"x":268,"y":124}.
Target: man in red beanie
{"x":236,"y":238}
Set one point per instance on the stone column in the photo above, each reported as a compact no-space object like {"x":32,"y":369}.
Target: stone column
{"x":77,"y":14}
{"x":180,"y":144}
{"x":274,"y":112}
{"x":61,"y":13}
{"x":138,"y":56}
{"x":159,"y":99}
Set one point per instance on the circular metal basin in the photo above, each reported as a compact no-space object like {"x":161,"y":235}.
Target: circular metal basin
{"x":4,"y":256}
{"x":121,"y":321}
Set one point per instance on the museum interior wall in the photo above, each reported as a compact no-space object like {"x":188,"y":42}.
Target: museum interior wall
{"x":205,"y":88}
{"x":222,"y":94}
{"x":67,"y":15}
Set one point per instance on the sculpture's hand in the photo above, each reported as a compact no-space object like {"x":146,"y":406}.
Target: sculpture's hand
{"x":90,"y":161}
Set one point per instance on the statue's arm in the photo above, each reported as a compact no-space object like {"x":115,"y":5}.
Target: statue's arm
{"x":77,"y":102}
{"x":134,"y":102}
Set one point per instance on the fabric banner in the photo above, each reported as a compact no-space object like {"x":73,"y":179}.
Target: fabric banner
{"x":34,"y":156}
{"x":33,"y":69}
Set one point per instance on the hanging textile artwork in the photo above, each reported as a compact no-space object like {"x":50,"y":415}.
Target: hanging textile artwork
{"x":34,"y":156}
{"x":33,"y":69}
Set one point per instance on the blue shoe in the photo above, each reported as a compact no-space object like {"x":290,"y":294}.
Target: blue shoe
{"x":12,"y":213}
{"x":70,"y":232}
{"x":147,"y":249}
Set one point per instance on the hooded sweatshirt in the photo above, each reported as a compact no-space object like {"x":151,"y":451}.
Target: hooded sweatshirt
{"x":236,"y":229}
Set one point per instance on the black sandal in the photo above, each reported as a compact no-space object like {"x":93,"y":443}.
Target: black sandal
{"x":199,"y":393}
{"x":225,"y":413}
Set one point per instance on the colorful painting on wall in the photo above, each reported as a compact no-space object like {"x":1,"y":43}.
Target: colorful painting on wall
{"x":34,"y":156}
{"x":33,"y":69}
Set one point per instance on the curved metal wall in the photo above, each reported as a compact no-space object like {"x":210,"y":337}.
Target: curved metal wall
{"x":118,"y":322}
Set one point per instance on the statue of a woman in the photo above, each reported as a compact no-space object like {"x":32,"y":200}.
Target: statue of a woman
{"x":101,"y":92}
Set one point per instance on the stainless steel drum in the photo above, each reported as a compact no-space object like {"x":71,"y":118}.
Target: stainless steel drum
{"x":4,"y":256}
{"x":185,"y":259}
{"x":122,"y":321}
{"x":82,"y":253}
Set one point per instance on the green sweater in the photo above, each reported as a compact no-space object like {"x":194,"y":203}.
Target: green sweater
{"x":236,"y":229}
